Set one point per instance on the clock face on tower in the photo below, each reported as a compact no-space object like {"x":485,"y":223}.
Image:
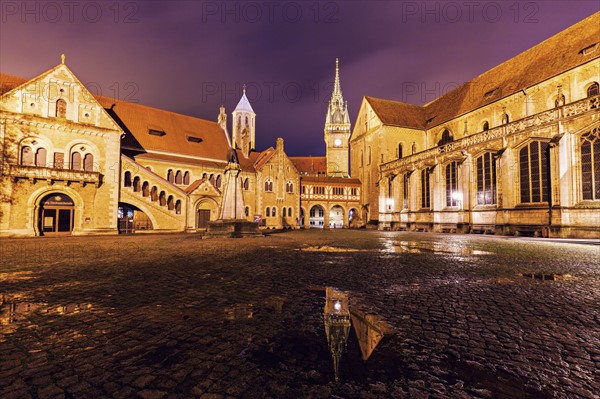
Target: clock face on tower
{"x":337,"y":142}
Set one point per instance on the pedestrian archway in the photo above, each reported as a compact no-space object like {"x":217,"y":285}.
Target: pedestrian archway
{"x":336,"y":217}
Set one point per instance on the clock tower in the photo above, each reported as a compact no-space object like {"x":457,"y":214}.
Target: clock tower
{"x":337,"y":130}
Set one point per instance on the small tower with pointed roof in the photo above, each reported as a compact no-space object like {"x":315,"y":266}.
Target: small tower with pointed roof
{"x":243,"y":126}
{"x":337,"y":130}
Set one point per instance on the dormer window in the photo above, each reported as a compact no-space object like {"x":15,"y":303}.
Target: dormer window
{"x":490,"y":93}
{"x":194,"y":139}
{"x":155,"y":132}
{"x":589,"y":49}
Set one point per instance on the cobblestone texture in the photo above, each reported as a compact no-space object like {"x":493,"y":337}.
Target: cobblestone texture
{"x":173,"y":316}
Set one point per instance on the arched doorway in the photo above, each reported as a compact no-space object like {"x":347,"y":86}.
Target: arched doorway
{"x":336,"y":217}
{"x":56,"y":215}
{"x":353,"y":218}
{"x":132,"y":219}
{"x":317,"y":217}
{"x":204,"y":214}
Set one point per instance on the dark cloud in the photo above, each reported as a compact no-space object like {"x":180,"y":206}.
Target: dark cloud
{"x":192,"y":56}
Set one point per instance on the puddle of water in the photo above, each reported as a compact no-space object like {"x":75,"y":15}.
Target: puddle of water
{"x":339,"y":317}
{"x":327,"y":248}
{"x":16,"y":309}
{"x":239,"y":311}
{"x":548,"y":276}
{"x":13,"y":277}
{"x":431,"y":247}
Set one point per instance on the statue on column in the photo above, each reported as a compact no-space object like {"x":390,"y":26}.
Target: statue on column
{"x":232,"y":156}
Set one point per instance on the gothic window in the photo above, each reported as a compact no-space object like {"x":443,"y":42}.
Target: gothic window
{"x":451,"y":184}
{"x":247,"y":124}
{"x":40,"y":157}
{"x":127,"y":179}
{"x":267,"y":185}
{"x":268,"y":212}
{"x":218,"y":181}
{"x":486,"y":126}
{"x":590,"y":165}
{"x":136,"y":184}
{"x":88,"y":163}
{"x":178,"y":177}
{"x":61,"y":108}
{"x":446,"y":138}
{"x":178,"y":207}
{"x":399,"y":150}
{"x":170,"y":176}
{"x":405,"y":191}
{"x":593,"y":90}
{"x":533,"y":172}
{"x":425,"y":189}
{"x":76,"y":161}
{"x":486,"y":179}
{"x":186,"y":178}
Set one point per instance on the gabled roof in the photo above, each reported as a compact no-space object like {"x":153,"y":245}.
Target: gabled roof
{"x":263,"y":157}
{"x":196,"y":184}
{"x":138,"y":120}
{"x":551,"y":57}
{"x":9,"y":82}
{"x":396,"y":113}
{"x":310,"y":165}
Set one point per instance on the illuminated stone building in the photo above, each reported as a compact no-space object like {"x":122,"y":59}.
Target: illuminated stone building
{"x":73,"y":163}
{"x":515,"y":150}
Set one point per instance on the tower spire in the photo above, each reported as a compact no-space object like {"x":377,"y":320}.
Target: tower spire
{"x":337,"y":89}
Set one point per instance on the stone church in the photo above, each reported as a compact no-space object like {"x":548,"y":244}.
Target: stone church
{"x":515,"y":150}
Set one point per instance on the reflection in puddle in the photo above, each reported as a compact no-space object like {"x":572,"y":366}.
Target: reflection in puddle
{"x":419,"y":247}
{"x":15,"y":309}
{"x":338,"y":317}
{"x":16,"y":276}
{"x":327,"y":248}
{"x":548,"y":276}
{"x":239,"y":311}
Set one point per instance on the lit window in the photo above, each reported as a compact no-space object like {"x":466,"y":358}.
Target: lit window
{"x":486,"y":179}
{"x":533,"y":168}
{"x":590,"y":165}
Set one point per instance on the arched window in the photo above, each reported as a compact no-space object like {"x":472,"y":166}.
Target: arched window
{"x":211,"y":179}
{"x":170,"y":176}
{"x":170,"y":203}
{"x":486,"y":126}
{"x":590,"y":165}
{"x":400,"y":150}
{"x":289,"y":212}
{"x":178,"y":177}
{"x":88,"y":163}
{"x":154,"y":194}
{"x":76,"y":161}
{"x":61,"y":108}
{"x":451,"y":184}
{"x":186,"y":178}
{"x":136,"y":184}
{"x":40,"y":157}
{"x":26,"y":156}
{"x":593,"y":89}
{"x":178,"y":207}
{"x":425,"y":189}
{"x":533,"y":172}
{"x":245,"y":185}
{"x":127,"y":179}
{"x":274,"y":211}
{"x":446,"y":138}
{"x":162,"y":198}
{"x":218,"y":182}
{"x":283,"y":211}
{"x":268,"y":212}
{"x":203,"y":176}
{"x":145,"y":189}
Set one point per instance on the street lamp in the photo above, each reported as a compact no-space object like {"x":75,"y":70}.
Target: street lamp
{"x":458,"y":197}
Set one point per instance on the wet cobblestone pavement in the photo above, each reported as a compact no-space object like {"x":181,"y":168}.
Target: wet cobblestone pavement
{"x":407,"y":315}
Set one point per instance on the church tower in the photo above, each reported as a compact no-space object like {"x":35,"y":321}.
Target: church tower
{"x":243,"y":126}
{"x":337,"y":130}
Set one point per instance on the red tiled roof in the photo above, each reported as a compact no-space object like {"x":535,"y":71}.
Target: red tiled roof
{"x":263,"y":157}
{"x":9,"y":82}
{"x":549,"y":58}
{"x":310,"y":165}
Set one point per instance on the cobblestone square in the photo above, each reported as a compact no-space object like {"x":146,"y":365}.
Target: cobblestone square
{"x":174,"y":316}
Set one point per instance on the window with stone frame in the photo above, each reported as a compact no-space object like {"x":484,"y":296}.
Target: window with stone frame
{"x":590,"y":165}
{"x":533,"y":172}
{"x":486,"y":179}
{"x":61,"y":108}
{"x":452,"y":184}
{"x":593,"y":89}
{"x":405,"y":179}
{"x":40,"y":157}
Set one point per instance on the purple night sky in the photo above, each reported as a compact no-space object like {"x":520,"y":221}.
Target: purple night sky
{"x":192,"y":56}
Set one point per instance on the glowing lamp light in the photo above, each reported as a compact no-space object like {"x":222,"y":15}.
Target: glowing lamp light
{"x":457,"y":196}
{"x":337,"y":305}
